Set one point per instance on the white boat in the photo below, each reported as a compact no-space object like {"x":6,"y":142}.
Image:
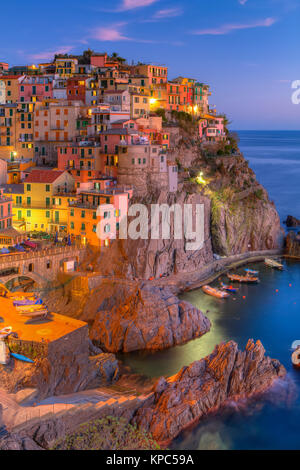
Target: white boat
{"x":296,"y":358}
{"x":5,"y":332}
{"x":273,"y":264}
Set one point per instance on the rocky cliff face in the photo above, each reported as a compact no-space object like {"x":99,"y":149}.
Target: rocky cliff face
{"x":238,"y":217}
{"x":293,"y":244}
{"x":206,"y":385}
{"x":147,"y":318}
{"x":59,"y":375}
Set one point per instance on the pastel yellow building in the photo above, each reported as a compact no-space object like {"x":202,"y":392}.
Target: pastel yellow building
{"x":43,"y":204}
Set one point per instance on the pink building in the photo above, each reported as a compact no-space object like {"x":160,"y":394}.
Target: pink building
{"x":112,"y":139}
{"x":99,"y":60}
{"x":35,"y":89}
{"x":5,"y":211}
{"x":211,"y":128}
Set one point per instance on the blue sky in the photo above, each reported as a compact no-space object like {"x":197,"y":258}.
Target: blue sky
{"x":246,"y":50}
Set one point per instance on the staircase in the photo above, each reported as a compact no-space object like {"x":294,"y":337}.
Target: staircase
{"x":76,"y":408}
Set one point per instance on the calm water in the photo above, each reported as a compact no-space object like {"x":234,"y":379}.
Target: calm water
{"x":273,"y":317}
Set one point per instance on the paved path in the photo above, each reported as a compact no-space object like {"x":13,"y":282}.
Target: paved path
{"x":80,"y":407}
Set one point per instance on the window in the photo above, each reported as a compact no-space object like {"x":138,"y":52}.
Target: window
{"x":106,"y":215}
{"x":72,"y":213}
{"x":28,"y":187}
{"x":29,"y":201}
{"x":72,"y":225}
{"x":82,"y":227}
{"x":82,"y":214}
{"x":94,"y":228}
{"x":30,"y":267}
{"x":47,"y":188}
{"x":94,"y":215}
{"x":48,"y":265}
{"x":48,"y":214}
{"x":28,"y":213}
{"x":107,"y":228}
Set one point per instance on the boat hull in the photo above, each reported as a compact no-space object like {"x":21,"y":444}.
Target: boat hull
{"x":215,"y":292}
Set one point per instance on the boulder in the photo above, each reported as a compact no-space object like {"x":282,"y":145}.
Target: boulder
{"x":292,"y":221}
{"x":148,"y":318}
{"x":206,"y":385}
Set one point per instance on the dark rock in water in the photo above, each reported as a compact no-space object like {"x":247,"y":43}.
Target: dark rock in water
{"x":206,"y":385}
{"x":292,"y":244}
{"x":292,"y":221}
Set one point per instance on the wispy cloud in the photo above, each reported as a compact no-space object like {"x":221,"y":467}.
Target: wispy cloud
{"x":168,"y":13}
{"x":48,"y":55}
{"x":115,"y":33}
{"x":133,"y":4}
{"x":228,"y":28}
{"x":110,"y":33}
{"x":242,"y":2}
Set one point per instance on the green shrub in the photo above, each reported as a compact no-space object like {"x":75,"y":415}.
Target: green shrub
{"x":109,"y":433}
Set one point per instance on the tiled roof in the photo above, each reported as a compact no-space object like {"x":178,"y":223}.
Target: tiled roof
{"x":43,"y":176}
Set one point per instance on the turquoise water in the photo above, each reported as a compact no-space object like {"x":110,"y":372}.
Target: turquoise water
{"x":265,"y":314}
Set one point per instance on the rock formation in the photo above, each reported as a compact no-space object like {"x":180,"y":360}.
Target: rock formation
{"x":59,"y":375}
{"x":292,"y":221}
{"x":147,"y":318}
{"x":206,"y":385}
{"x":292,"y":247}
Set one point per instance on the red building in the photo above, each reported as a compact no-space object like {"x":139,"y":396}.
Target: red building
{"x":76,"y":88}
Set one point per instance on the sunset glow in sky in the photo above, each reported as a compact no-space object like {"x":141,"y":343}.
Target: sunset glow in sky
{"x":247,"y":50}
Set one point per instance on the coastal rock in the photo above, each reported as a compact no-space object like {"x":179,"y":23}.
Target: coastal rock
{"x":60,"y":375}
{"x":148,"y":318}
{"x":292,"y":221}
{"x":292,"y":245}
{"x":206,"y":385}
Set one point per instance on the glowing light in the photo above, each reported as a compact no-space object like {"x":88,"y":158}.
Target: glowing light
{"x":195,"y":108}
{"x":200,"y":179}
{"x":152,"y":100}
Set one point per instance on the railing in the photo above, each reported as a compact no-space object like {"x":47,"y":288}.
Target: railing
{"x":45,"y":252}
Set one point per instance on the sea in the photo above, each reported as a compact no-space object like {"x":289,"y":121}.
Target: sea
{"x":269,"y":311}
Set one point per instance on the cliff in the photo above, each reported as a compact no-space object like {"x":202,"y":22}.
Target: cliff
{"x":147,"y":318}
{"x":173,"y":404}
{"x":61,"y":372}
{"x":238,"y":217}
{"x":205,"y":386}
{"x":292,"y":247}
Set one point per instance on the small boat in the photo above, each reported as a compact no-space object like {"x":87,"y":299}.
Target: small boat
{"x":22,"y":358}
{"x":36,"y":313}
{"x":273,"y":264}
{"x":242,"y":279}
{"x":27,"y":302}
{"x":215,"y":292}
{"x":229,"y":288}
{"x":5,"y":332}
{"x":251,"y":272}
{"x":296,"y":358}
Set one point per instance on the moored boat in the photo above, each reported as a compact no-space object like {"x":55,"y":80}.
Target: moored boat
{"x":273,"y":264}
{"x":242,"y":279}
{"x":215,"y":292}
{"x":229,"y":288}
{"x":252,"y":272}
{"x":296,"y":358}
{"x":22,"y":358}
{"x":5,"y":332}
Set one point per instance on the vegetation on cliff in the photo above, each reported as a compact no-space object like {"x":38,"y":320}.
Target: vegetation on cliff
{"x":108,"y":433}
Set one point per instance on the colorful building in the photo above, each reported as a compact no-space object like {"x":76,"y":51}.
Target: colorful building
{"x":34,"y":89}
{"x":211,"y":128}
{"x":44,"y":204}
{"x":65,"y":67}
{"x":95,"y":217}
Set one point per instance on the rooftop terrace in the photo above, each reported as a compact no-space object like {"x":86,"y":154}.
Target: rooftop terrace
{"x":49,"y":330}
